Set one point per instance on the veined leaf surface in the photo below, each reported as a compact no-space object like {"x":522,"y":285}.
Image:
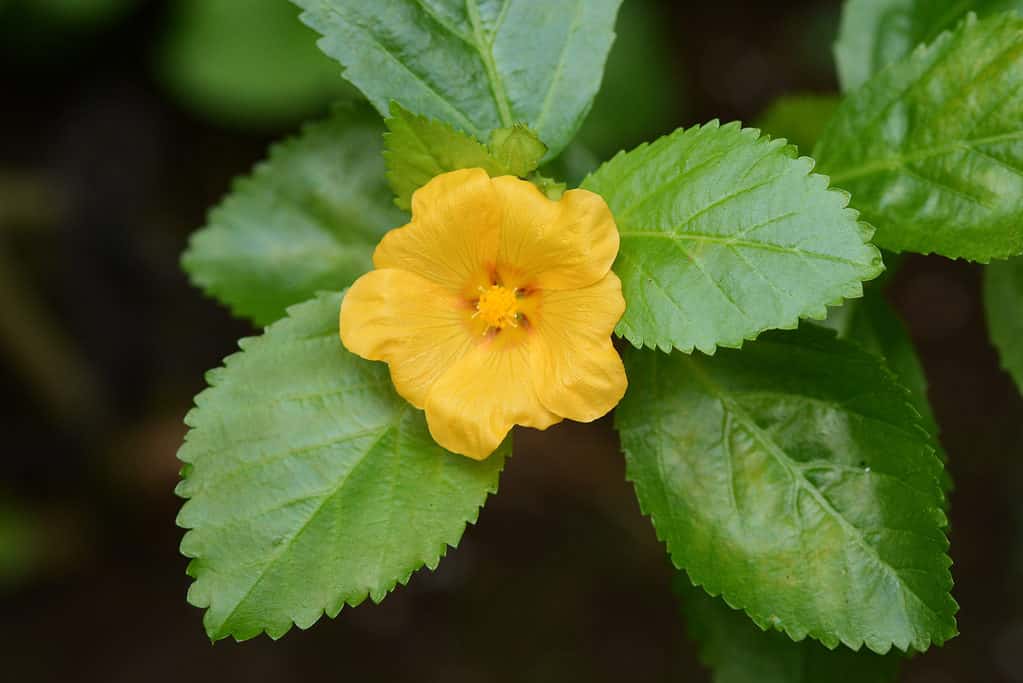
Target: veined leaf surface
{"x":794,"y":479}
{"x":726,"y":234}
{"x":932,"y":148}
{"x":478,"y":65}
{"x":311,"y":484}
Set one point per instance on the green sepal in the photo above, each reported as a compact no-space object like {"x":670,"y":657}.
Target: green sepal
{"x":552,"y":188}
{"x":418,"y":149}
{"x":518,"y":149}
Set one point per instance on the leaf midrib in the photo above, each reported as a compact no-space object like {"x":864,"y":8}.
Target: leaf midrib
{"x":372,"y":37}
{"x":799,"y":479}
{"x":736,"y":242}
{"x":384,"y":431}
{"x":896,"y":162}
{"x":486,"y":51}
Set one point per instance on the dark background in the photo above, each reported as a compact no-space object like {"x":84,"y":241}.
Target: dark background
{"x":106,"y":166}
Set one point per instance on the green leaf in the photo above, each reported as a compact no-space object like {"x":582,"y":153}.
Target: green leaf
{"x":873,"y":324}
{"x":800,"y":119}
{"x":311,"y":484}
{"x":932,"y":148}
{"x":726,"y":234}
{"x":306,"y":220}
{"x":1003,"y":301}
{"x":641,"y":97}
{"x":739,"y":652}
{"x":246,"y":62}
{"x":478,"y":65}
{"x":419,"y":149}
{"x":876,"y":33}
{"x":795,"y":479}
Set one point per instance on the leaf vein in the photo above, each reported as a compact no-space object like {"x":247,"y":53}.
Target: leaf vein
{"x":572,"y":29}
{"x":285,"y":546}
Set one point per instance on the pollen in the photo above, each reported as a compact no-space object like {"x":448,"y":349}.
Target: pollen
{"x":498,"y":307}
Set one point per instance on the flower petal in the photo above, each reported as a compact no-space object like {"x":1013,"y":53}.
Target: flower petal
{"x":415,"y":325}
{"x":452,"y":238}
{"x":576,"y":370}
{"x":563,"y":244}
{"x":478,"y":400}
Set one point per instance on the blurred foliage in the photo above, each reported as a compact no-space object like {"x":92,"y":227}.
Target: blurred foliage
{"x":247,"y":63}
{"x":639,"y":98}
{"x":800,"y":119}
{"x":20,"y":542}
{"x":72,"y":13}
{"x":44,"y":31}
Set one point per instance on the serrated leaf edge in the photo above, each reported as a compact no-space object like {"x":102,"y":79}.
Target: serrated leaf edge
{"x":376,"y":593}
{"x":921,"y":51}
{"x":995,"y":341}
{"x":830,"y":641}
{"x":215,"y":290}
{"x":853,"y":291}
{"x":400,"y":115}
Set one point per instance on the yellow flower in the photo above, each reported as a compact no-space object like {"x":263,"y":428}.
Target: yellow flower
{"x":494,"y":307}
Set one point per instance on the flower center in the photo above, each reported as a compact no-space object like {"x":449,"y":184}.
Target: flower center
{"x":498,"y":307}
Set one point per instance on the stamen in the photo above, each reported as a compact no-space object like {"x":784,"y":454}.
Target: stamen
{"x":498,"y":307}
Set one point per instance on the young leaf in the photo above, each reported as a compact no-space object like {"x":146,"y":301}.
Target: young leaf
{"x":739,"y":652}
{"x":306,"y":220}
{"x":876,"y":33}
{"x":478,"y":65}
{"x":418,"y":149}
{"x":726,"y":234}
{"x":1003,"y":300}
{"x":800,"y":119}
{"x":932,"y":148}
{"x":794,"y":479}
{"x":311,"y":484}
